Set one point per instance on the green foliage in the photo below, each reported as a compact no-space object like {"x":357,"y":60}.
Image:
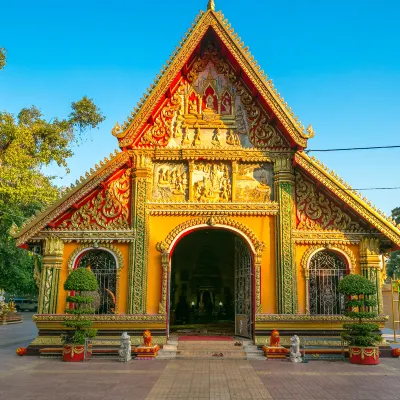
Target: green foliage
{"x":85,"y":114}
{"x":2,"y":57}
{"x":16,"y":265}
{"x":28,"y":142}
{"x":79,"y":299}
{"x":354,"y":285}
{"x":80,"y":280}
{"x":360,"y":303}
{"x":359,"y":306}
{"x":393,"y":264}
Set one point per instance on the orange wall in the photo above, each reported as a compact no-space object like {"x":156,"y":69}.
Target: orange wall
{"x":69,"y":248}
{"x":262,"y":227}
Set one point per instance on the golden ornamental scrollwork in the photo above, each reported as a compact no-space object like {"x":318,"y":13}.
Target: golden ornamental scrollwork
{"x":316,"y":211}
{"x":76,"y":194}
{"x":160,"y":132}
{"x":340,"y":248}
{"x":109,"y":209}
{"x":98,"y":246}
{"x":165,"y":245}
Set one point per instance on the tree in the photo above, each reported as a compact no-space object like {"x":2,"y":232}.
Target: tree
{"x":393,"y":265}
{"x":2,"y":57}
{"x":28,"y":142}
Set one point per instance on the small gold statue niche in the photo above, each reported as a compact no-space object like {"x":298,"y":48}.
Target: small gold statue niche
{"x":216,"y":138}
{"x":197,"y":139}
{"x":185,"y":134}
{"x":232,"y":138}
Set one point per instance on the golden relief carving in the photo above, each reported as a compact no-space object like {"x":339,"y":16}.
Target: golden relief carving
{"x":254,"y":183}
{"x":108,"y":209}
{"x":250,"y":117}
{"x":161,"y":130}
{"x":212,"y":107}
{"x":316,"y":211}
{"x":212,"y":182}
{"x":170,"y":182}
{"x":52,"y":213}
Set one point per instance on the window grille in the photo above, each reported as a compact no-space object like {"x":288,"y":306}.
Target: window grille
{"x":104,"y":267}
{"x":326,"y":270}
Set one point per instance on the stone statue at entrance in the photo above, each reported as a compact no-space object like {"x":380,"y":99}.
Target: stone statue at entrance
{"x":295,"y":355}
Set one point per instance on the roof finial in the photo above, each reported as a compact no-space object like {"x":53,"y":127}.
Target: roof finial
{"x":211,"y":5}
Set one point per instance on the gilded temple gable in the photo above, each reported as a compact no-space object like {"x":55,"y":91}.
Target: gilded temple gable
{"x":102,"y":196}
{"x":343,"y":209}
{"x":212,"y":93}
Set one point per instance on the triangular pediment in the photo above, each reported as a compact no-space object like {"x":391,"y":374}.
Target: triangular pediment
{"x":212,"y":94}
{"x":326,"y":202}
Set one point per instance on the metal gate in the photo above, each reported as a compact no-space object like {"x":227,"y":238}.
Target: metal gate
{"x":242,"y":289}
{"x":326,"y":270}
{"x":103,"y":265}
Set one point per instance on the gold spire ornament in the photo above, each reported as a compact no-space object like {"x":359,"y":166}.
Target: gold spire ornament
{"x":211,"y":5}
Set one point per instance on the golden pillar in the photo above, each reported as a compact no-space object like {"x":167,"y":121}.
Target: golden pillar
{"x":53,"y":249}
{"x":138,"y":252}
{"x":162,"y":308}
{"x":371,"y":262}
{"x":285,"y":221}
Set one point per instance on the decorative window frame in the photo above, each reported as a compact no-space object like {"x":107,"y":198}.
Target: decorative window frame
{"x":312,"y":250}
{"x":113,"y":250}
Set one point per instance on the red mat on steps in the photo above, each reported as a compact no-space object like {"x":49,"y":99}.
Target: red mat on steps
{"x":213,"y":338}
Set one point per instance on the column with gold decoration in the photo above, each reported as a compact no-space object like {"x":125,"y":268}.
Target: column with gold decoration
{"x":53,"y":249}
{"x":370,"y":260}
{"x":138,"y":254}
{"x":285,"y":264}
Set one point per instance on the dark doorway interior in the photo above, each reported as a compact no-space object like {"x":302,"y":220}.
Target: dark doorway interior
{"x":203,"y":283}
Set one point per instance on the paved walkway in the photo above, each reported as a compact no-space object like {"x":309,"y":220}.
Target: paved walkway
{"x":28,"y":378}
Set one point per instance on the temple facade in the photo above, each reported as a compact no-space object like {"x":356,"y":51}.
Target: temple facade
{"x":211,"y":217}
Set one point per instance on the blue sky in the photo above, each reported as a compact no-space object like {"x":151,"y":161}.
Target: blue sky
{"x":336,"y":63}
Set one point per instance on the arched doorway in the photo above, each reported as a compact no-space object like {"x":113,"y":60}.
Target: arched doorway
{"x":211,"y":284}
{"x":103,"y":264}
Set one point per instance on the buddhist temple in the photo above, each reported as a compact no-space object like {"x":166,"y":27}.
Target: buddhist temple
{"x":211,"y":217}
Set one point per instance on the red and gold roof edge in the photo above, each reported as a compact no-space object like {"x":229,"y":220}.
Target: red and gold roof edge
{"x":75,"y":195}
{"x":342,"y":191}
{"x":150,"y":103}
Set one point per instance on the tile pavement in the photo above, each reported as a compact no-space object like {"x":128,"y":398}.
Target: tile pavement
{"x":28,"y":378}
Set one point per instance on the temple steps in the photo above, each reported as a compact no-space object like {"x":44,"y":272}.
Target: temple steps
{"x":218,"y":349}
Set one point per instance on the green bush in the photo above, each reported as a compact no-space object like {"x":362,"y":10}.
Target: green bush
{"x":359,"y":305}
{"x":78,"y":281}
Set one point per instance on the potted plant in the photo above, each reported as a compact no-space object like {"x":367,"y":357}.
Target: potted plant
{"x":362,"y":336}
{"x":79,"y":282}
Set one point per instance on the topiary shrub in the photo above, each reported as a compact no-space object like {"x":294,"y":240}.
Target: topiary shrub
{"x":359,"y":306}
{"x":80,"y":280}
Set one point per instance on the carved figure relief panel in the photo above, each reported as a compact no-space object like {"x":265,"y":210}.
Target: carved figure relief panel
{"x":170,"y":182}
{"x":212,"y":182}
{"x":254,"y":183}
{"x":211,"y":107}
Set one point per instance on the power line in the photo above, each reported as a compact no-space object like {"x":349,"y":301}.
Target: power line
{"x":377,"y":188}
{"x":353,"y":148}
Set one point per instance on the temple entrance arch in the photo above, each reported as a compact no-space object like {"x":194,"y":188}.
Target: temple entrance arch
{"x":211,"y":277}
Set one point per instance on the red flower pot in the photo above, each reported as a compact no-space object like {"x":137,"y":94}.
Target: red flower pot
{"x":396,"y":352}
{"x":364,"y":355}
{"x":75,"y":352}
{"x":21,"y":351}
